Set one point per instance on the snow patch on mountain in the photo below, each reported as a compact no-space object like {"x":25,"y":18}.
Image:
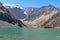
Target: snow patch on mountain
{"x":32,"y":9}
{"x":10,"y":5}
{"x":25,"y":13}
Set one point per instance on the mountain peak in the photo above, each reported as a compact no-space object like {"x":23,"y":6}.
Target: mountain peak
{"x":51,"y":6}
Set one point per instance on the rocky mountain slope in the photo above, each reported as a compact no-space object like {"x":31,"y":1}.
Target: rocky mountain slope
{"x":47,"y":16}
{"x":33,"y":13}
{"x":8,"y":20}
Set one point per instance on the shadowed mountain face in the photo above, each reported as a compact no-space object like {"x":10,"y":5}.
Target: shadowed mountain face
{"x":7,"y":19}
{"x":16,"y":11}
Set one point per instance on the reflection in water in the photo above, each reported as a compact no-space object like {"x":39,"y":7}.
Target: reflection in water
{"x":58,"y":36}
{"x":29,"y":34}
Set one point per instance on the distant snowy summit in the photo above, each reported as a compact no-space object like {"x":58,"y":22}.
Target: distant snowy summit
{"x":15,"y":10}
{"x":10,"y":5}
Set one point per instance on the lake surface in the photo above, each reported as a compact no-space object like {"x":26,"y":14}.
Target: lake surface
{"x":29,"y":34}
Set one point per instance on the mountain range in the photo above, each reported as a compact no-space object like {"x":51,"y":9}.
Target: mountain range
{"x":45,"y":16}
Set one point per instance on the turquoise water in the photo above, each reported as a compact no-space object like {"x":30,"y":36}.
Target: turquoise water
{"x":29,"y":34}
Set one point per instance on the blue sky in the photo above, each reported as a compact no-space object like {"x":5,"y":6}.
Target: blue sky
{"x":32,"y":3}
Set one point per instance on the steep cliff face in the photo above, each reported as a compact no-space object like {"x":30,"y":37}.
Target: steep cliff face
{"x":7,"y":19}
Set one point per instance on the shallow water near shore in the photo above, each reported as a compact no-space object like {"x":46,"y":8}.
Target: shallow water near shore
{"x":29,"y":34}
